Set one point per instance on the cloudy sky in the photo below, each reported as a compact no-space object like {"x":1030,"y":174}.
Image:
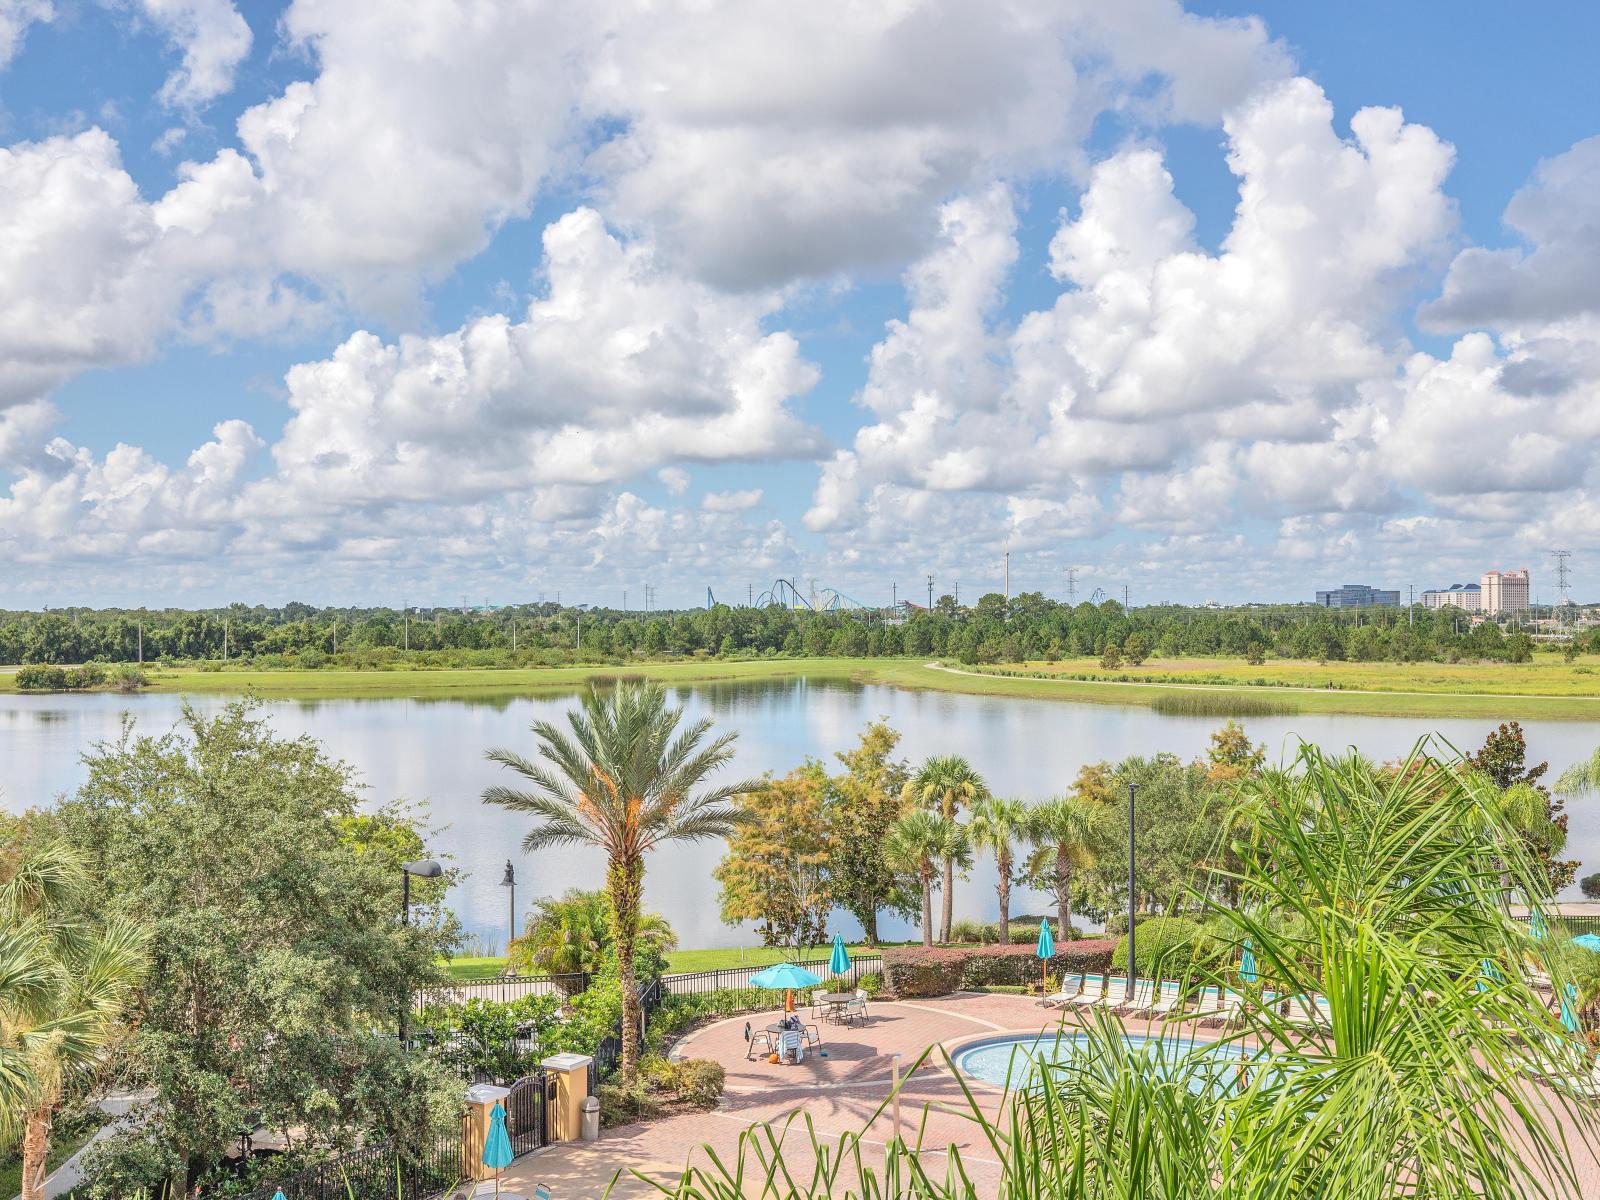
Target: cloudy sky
{"x":356,"y":301}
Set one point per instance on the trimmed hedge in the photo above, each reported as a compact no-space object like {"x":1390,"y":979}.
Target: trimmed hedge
{"x":914,"y":971}
{"x":1166,"y":944}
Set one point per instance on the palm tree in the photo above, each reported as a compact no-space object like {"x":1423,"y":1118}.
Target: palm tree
{"x":1580,"y":777}
{"x":570,"y":934}
{"x":625,"y":779}
{"x":944,"y":783}
{"x":997,"y":825}
{"x":1062,"y":831}
{"x":64,"y":985}
{"x":915,"y":845}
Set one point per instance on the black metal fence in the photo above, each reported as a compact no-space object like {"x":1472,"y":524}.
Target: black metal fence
{"x":382,"y":1171}
{"x":528,"y":1113}
{"x":700,"y":982}
{"x":503,"y":989}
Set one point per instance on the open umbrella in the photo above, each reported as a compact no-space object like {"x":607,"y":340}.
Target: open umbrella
{"x":785,"y":976}
{"x":1589,"y":941}
{"x":1569,"y":1008}
{"x":839,"y":961}
{"x":1045,"y":948}
{"x":497,"y":1144}
{"x":1247,"y":963}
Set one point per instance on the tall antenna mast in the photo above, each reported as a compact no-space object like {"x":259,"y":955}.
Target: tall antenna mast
{"x":1072,"y":585}
{"x":930,"y":593}
{"x":1563,"y":578}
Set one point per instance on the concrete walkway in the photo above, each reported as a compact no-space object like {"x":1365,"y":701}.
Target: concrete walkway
{"x":70,"y":1174}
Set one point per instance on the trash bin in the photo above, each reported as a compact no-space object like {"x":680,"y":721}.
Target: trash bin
{"x":591,"y":1119}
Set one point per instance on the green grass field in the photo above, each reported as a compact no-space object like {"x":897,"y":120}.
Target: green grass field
{"x":1547,"y":688}
{"x":679,"y":961}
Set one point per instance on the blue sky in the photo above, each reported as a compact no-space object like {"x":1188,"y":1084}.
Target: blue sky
{"x":819,"y":294}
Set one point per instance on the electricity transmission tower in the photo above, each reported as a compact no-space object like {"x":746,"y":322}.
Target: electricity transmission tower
{"x":1072,"y":586}
{"x":1563,"y":580}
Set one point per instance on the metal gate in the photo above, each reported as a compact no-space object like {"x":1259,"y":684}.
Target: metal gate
{"x":528,"y":1113}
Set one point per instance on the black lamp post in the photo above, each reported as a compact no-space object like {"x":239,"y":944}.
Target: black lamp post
{"x":1132,"y":892}
{"x":423,"y":868}
{"x":509,"y":880}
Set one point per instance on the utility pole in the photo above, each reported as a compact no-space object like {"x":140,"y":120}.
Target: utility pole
{"x":408,"y":625}
{"x":624,"y":601}
{"x":749,"y":595}
{"x":224,"y":638}
{"x":1124,"y":598}
{"x":1411,"y":608}
{"x":1008,"y":577}
{"x":141,"y":643}
{"x":894,"y":595}
{"x":956,"y":593}
{"x":930,"y":593}
{"x":580,"y":632}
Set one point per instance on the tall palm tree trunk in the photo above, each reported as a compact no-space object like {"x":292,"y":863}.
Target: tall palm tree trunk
{"x":35,"y":1152}
{"x":1004,"y":888}
{"x":947,"y":897}
{"x":625,"y":887}
{"x":927,"y":908}
{"x":1063,"y":890}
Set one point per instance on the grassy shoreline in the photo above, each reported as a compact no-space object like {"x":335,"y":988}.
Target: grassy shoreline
{"x":1546,"y":689}
{"x":678,"y":961}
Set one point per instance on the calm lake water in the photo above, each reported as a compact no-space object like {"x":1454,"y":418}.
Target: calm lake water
{"x":431,"y":752}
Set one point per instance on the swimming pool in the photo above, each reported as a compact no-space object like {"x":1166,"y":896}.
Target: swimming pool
{"x":1013,"y":1058}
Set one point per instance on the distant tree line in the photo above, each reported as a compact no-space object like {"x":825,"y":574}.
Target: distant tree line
{"x":1028,"y":627}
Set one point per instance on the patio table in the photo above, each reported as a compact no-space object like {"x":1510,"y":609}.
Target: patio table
{"x":836,"y":1001}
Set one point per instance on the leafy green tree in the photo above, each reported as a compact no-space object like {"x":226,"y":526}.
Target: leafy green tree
{"x":997,"y":826}
{"x":863,"y":805}
{"x":571,"y":934}
{"x":626,"y":779}
{"x":276,"y":944}
{"x":1111,"y":657}
{"x":1136,"y":648}
{"x":1589,"y":885}
{"x":777,"y":869}
{"x":1541,"y":819}
{"x":919,"y":841}
{"x":1231,"y":755}
{"x":945,"y":784}
{"x":65,"y":983}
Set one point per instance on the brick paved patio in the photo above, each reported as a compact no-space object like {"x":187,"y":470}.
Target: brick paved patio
{"x":841,"y":1093}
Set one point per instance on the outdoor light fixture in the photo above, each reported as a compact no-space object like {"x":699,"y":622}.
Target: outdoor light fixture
{"x":510,"y":881}
{"x":422,"y":868}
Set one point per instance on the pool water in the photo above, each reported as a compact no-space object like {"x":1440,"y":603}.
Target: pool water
{"x":1011,"y":1060}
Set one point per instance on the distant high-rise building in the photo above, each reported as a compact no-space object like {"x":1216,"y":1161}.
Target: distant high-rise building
{"x":1505,"y":591}
{"x":1466,"y":596}
{"x":1358,"y":595}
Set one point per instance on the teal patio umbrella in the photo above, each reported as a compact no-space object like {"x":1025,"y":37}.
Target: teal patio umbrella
{"x":1487,"y":972}
{"x":1247,"y":963}
{"x":1569,"y":1008}
{"x":278,"y":1195}
{"x":839,"y":961}
{"x":1536,"y":925}
{"x":785,"y":977}
{"x":1589,"y":941}
{"x":1045,"y":949}
{"x":497,"y":1145}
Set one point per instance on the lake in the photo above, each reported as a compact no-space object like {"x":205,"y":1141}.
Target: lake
{"x":431,"y":752}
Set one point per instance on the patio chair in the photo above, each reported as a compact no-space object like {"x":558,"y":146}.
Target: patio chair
{"x":791,"y":1044}
{"x":752,"y":1037}
{"x":1070,"y":987}
{"x":1092,"y":992}
{"x":856,"y":1007}
{"x":1143,"y":997}
{"x":818,"y":1008}
{"x":812,"y":1034}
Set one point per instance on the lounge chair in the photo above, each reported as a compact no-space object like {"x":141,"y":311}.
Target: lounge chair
{"x":1143,"y":997}
{"x":1208,"y":1003}
{"x":1068,"y":991}
{"x":751,"y":1037}
{"x":1092,"y":992}
{"x":1169,"y":996}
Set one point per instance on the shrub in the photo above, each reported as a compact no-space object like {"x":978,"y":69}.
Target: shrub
{"x":620,"y":1105}
{"x":940,"y":970}
{"x":694,"y":1081}
{"x":47,"y":677}
{"x":1167,"y":944}
{"x":129,"y":678}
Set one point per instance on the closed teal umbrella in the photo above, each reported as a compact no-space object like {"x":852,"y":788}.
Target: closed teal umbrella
{"x":1488,"y":971}
{"x":1247,"y":963}
{"x":839,"y":962}
{"x":1045,"y":948}
{"x":1569,"y":1008}
{"x":497,"y":1145}
{"x":278,"y":1195}
{"x":1536,"y":925}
